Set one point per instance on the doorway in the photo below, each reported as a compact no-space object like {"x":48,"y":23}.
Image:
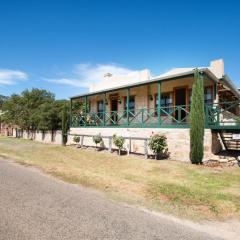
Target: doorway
{"x":114,"y":111}
{"x":180,"y":100}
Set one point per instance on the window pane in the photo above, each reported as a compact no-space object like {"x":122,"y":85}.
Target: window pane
{"x":100,"y":106}
{"x":166,"y":103}
{"x":131,"y":105}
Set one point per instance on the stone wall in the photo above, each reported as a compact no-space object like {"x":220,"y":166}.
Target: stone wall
{"x":178,"y":140}
{"x":54,"y":137}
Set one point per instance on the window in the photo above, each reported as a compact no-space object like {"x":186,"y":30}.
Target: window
{"x":100,"y":108}
{"x":131,"y":105}
{"x":166,"y":103}
{"x":208,"y":95}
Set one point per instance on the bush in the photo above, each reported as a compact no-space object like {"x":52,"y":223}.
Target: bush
{"x":157,"y":144}
{"x":97,"y":139}
{"x":76,"y":139}
{"x":119,"y":142}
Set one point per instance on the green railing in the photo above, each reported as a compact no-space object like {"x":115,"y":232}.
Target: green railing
{"x":145,"y":117}
{"x":174,"y":116}
{"x":223,"y":114}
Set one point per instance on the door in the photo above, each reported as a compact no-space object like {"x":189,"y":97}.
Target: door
{"x":180,"y":103}
{"x":114,"y":111}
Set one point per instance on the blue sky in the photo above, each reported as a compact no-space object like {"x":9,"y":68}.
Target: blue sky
{"x":58,"y":45}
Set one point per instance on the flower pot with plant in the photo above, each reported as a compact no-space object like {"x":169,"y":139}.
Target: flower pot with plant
{"x":118,"y":142}
{"x":97,"y":139}
{"x":158,"y":145}
{"x":76,"y":139}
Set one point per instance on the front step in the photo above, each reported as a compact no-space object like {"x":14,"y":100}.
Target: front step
{"x":228,"y":140}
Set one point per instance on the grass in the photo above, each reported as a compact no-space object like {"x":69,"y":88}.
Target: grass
{"x":180,"y":189}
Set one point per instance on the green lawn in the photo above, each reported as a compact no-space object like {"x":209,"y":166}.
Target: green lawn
{"x":181,"y":189}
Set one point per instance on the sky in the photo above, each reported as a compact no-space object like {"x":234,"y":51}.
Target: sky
{"x":65,"y":45}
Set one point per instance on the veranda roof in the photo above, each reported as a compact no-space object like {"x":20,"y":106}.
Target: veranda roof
{"x":165,"y":77}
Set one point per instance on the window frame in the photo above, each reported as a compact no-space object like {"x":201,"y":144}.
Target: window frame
{"x":125,"y":105}
{"x":168,"y":105}
{"x":100,"y":113}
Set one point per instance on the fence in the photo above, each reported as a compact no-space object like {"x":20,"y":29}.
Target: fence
{"x":54,"y":137}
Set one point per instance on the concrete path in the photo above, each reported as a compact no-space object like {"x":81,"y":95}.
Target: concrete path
{"x":35,"y":206}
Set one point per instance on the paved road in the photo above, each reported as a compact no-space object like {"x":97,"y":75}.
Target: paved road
{"x":36,"y":206}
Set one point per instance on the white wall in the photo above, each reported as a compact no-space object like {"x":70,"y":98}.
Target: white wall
{"x":111,"y":80}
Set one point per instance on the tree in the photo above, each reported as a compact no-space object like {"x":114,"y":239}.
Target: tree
{"x":13,"y":110}
{"x":2,"y":100}
{"x":64,"y":126}
{"x":197,"y":120}
{"x":23,"y":109}
{"x":50,"y":115}
{"x":32,"y":100}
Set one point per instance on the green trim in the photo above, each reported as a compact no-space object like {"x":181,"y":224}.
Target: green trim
{"x":159,"y":104}
{"x":104,"y":108}
{"x":70,"y":118}
{"x":127,"y":102}
{"x":85,"y":110}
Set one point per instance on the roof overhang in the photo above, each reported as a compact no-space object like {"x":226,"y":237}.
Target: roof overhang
{"x":205,"y":71}
{"x":228,"y":82}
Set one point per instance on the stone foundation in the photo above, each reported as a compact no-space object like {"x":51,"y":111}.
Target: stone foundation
{"x":178,"y":140}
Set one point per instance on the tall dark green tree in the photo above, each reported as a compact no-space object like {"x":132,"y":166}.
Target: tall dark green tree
{"x":197,"y":120}
{"x":64,"y":125}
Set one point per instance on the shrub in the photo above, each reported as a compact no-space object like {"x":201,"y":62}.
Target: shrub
{"x":76,"y":139}
{"x":119,"y":142}
{"x":157,"y":144}
{"x":97,"y":139}
{"x":197,"y":120}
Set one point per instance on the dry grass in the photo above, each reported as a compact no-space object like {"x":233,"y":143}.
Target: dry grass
{"x":181,"y":189}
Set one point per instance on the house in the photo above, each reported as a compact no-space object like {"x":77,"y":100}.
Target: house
{"x":137,"y":105}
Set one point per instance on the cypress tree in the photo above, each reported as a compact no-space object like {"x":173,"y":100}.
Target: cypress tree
{"x":197,"y":120}
{"x":64,"y":126}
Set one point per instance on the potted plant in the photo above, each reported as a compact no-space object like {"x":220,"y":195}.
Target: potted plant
{"x":76,"y":139}
{"x":119,"y":142}
{"x":97,"y":139}
{"x":157,"y":144}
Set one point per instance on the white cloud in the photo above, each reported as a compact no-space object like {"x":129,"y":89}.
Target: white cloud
{"x":10,"y":77}
{"x":86,"y":74}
